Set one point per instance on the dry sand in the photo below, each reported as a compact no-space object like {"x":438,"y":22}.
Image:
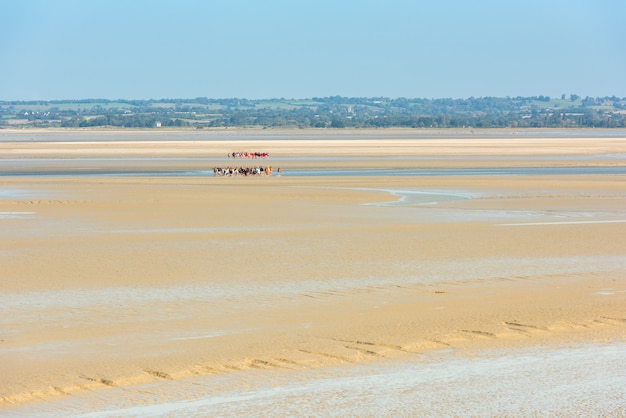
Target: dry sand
{"x":116,"y":281}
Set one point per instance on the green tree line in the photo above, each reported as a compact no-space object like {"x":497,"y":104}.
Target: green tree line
{"x":570,"y":111}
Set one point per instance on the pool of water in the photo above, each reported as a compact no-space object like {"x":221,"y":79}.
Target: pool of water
{"x":513,"y":171}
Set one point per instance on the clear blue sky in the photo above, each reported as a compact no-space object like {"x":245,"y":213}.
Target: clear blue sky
{"x":142,"y":49}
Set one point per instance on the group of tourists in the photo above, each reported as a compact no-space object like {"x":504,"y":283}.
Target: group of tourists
{"x":245,"y":154}
{"x":245,"y":171}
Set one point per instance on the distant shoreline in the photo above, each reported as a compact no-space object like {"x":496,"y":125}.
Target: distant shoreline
{"x":469,"y":132}
{"x":322,"y":113}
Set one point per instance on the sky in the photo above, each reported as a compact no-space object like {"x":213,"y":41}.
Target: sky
{"x":299,"y":49}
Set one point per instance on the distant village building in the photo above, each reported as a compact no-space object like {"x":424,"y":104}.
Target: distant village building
{"x":157,"y":124}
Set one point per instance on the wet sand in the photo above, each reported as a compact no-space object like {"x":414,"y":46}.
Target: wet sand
{"x":115,"y":287}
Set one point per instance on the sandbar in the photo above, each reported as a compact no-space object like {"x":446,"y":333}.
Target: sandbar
{"x":113,"y":282}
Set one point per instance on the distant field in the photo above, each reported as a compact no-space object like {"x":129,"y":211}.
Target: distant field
{"x":68,"y":106}
{"x":287,"y":104}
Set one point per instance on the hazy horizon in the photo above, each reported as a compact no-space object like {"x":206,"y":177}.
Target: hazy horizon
{"x":140,"y":50}
{"x":286,"y":99}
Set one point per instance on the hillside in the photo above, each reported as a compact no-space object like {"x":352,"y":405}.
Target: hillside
{"x":329,"y":112}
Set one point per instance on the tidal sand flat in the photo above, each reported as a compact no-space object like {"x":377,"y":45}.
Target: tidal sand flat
{"x":154,"y":294}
